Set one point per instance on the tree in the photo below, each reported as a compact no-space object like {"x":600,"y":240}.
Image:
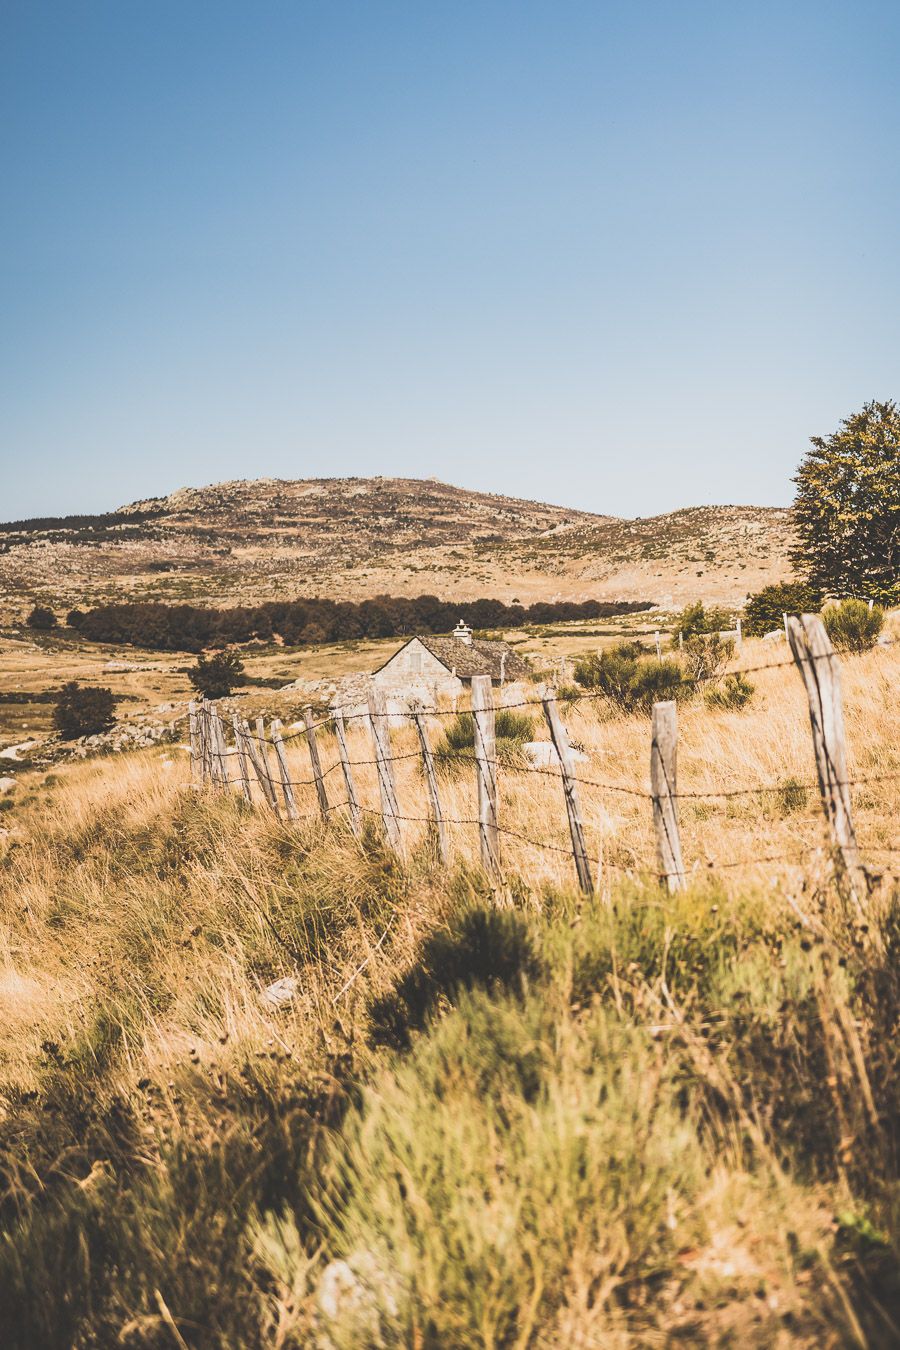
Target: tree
{"x":847,"y":507}
{"x":766,"y":609}
{"x":41,"y":618}
{"x":83,"y":710}
{"x":215,"y":676}
{"x":695,"y":619}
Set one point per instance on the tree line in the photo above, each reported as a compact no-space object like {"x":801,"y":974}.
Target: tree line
{"x":301,"y":623}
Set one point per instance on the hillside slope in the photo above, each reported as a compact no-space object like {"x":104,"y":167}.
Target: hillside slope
{"x":352,"y":538}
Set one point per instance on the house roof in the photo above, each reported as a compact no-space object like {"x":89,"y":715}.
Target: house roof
{"x":481,"y":656}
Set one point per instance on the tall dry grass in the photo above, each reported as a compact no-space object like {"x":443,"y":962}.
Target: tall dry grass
{"x":488,"y":1116}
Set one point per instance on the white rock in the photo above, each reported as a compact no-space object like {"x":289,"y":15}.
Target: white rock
{"x":7,"y":784}
{"x":543,"y":754}
{"x":14,"y":752}
{"x":774,"y":636}
{"x":280,"y":992}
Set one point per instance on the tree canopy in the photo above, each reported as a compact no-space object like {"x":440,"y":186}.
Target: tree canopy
{"x":847,"y":507}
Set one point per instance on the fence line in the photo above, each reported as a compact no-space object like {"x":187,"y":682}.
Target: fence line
{"x":812,"y":654}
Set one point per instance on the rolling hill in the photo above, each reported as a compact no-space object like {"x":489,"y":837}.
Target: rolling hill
{"x":249,"y":541}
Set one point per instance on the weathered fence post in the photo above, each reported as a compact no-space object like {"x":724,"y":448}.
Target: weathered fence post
{"x":204,"y":730}
{"x":255,"y":746}
{"x":220,"y":750}
{"x":570,"y":790}
{"x":352,"y":800}
{"x":310,"y":726}
{"x":663,"y":780}
{"x":383,"y":763}
{"x":658,"y":645}
{"x":262,"y":745}
{"x":812,"y":650}
{"x":431,"y":780}
{"x":242,"y":757}
{"x":486,"y":760}
{"x":286,"y":788}
{"x":194,"y":737}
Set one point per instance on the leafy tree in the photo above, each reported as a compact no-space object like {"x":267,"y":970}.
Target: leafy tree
{"x":766,"y":609}
{"x":215,"y":676}
{"x":41,"y":618}
{"x":852,"y":626}
{"x":74,"y":618}
{"x":847,"y":507}
{"x":83,"y":710}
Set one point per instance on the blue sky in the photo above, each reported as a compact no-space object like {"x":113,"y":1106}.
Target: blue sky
{"x":625,"y":257}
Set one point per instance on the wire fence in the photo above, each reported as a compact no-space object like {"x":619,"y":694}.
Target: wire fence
{"x":265,"y":772}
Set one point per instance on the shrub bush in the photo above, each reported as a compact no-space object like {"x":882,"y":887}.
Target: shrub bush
{"x":629,"y":678}
{"x":512,"y":730}
{"x":215,"y":676}
{"x":41,"y":618}
{"x":695,"y":619}
{"x":734,"y":693}
{"x":852,"y":626}
{"x":765,"y":610}
{"x":706,"y":655}
{"x":83,"y":710}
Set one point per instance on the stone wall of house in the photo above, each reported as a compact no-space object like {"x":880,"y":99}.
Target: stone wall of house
{"x":415,"y":667}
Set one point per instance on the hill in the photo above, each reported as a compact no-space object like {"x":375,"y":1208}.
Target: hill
{"x":249,"y":541}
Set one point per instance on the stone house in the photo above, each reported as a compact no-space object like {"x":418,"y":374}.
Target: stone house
{"x":433,"y":667}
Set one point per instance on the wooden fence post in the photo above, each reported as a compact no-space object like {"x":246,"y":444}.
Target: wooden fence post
{"x":220,"y":749}
{"x":242,"y":757}
{"x":486,"y":760}
{"x":255,"y":746}
{"x":570,"y":790}
{"x":663,"y":780}
{"x":658,"y":645}
{"x":194,"y":737}
{"x":310,"y":725}
{"x":286,"y":787}
{"x":262,"y":745}
{"x":431,"y":780}
{"x":812,"y":650}
{"x":203,"y":728}
{"x":386,"y":786}
{"x":352,"y":800}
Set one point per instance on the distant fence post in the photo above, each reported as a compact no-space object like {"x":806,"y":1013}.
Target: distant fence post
{"x":194,"y":737}
{"x":663,"y":780}
{"x":219,"y":748}
{"x":486,"y":760}
{"x":570,"y":790}
{"x":242,"y":757}
{"x":262,"y":746}
{"x":740,"y":633}
{"x":314,"y":760}
{"x":205,"y":747}
{"x":431,"y":780}
{"x":287,"y":790}
{"x":812,"y":650}
{"x":255,"y":747}
{"x":386,"y":786}
{"x":352,"y":800}
{"x":658,"y":645}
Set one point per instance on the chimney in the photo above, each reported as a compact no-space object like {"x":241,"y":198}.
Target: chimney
{"x":464,"y":633}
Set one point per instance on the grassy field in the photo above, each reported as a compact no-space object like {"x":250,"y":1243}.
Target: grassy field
{"x":488,"y":1116}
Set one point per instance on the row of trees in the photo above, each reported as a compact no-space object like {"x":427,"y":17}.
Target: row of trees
{"x":304,"y":622}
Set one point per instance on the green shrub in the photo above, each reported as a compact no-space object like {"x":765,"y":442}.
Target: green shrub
{"x":41,"y":618}
{"x":706,"y":655}
{"x":765,"y":610}
{"x":852,"y":626}
{"x":84,"y":710}
{"x":512,"y":730}
{"x":629,"y":678}
{"x":215,"y":676}
{"x":695,"y":619}
{"x":734,"y":693}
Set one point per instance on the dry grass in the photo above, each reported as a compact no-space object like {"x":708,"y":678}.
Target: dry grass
{"x":637,"y":1120}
